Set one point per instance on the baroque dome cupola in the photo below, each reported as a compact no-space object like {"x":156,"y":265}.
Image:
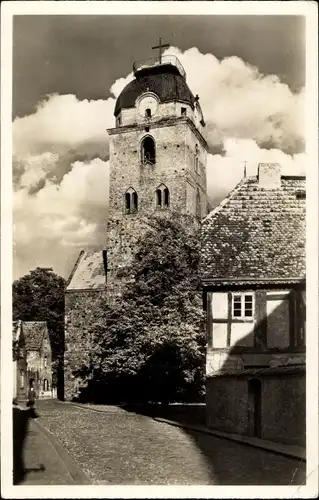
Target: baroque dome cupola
{"x":165,"y":77}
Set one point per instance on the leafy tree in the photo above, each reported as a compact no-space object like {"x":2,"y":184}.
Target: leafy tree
{"x":149,"y":343}
{"x":39,"y":296}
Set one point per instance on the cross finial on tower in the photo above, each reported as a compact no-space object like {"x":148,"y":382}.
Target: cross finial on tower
{"x":161,"y":46}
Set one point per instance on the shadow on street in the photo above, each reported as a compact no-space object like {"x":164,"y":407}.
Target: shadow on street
{"x":21,"y":418}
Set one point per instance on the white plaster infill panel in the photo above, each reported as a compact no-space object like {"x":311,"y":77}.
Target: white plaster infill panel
{"x":242,"y":333}
{"x":278,"y":321}
{"x":219,"y":335}
{"x":220,"y":305}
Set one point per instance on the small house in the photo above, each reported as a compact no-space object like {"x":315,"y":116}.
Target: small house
{"x":253,"y":272}
{"x":33,"y":358}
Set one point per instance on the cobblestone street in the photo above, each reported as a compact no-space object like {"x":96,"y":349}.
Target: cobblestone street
{"x":119,"y":447}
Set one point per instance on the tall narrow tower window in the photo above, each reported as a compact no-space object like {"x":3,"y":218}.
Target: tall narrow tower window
{"x":198,"y":207}
{"x":162,"y":197}
{"x":134,"y":201}
{"x":166,"y":197}
{"x":131,"y":201}
{"x":148,"y":150}
{"x":127,"y":202}
{"x":196,"y":158}
{"x":148,"y":113}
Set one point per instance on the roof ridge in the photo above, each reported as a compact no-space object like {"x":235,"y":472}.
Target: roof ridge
{"x":68,"y":281}
{"x":230,"y":196}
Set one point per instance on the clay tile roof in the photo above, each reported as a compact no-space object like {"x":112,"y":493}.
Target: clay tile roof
{"x":168,"y":84}
{"x":256,"y":233}
{"x":33,"y":332}
{"x":88,"y":272}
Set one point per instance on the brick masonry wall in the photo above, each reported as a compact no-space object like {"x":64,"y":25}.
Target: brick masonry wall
{"x":175,"y":149}
{"x":80,"y":310}
{"x":175,"y":168}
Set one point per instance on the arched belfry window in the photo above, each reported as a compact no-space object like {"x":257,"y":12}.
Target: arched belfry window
{"x":148,"y":150}
{"x":162,"y":197}
{"x":198,"y":205}
{"x":131,"y":201}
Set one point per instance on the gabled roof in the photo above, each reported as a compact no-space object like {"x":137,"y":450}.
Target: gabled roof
{"x":256,"y":233}
{"x":34,"y":332}
{"x":88,"y":272}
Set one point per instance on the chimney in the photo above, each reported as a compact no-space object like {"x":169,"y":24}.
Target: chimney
{"x":269,"y":175}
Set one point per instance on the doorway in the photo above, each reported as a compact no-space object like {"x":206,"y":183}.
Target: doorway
{"x":254,"y":398}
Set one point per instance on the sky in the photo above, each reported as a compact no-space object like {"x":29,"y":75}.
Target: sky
{"x":249,"y":72}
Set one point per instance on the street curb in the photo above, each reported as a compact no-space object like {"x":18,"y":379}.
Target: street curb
{"x":77,"y":474}
{"x":266,"y":445}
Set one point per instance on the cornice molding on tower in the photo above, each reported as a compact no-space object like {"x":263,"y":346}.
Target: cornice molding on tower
{"x":165,"y":122}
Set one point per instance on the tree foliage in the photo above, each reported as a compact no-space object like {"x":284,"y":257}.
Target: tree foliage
{"x":149,"y":343}
{"x":39,"y":296}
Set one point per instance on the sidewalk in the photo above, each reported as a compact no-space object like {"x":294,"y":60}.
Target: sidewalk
{"x":47,"y":462}
{"x":281,"y":449}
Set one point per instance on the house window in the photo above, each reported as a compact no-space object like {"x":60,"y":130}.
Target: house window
{"x":131,"y":201}
{"x":148,"y":150}
{"x":162,"y":197}
{"x":183,"y":111}
{"x":21,"y":379}
{"x":243,"y":306}
{"x":119,"y":120}
{"x":148,"y":113}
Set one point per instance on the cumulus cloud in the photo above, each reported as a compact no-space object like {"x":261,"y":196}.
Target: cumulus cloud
{"x":60,"y":161}
{"x":55,"y":223}
{"x":61,"y":123}
{"x":238,"y":101}
{"x":225,"y":171}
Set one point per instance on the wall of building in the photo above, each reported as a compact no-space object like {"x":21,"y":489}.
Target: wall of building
{"x":80,"y":311}
{"x":274,"y":337}
{"x":274,"y":334}
{"x":174,"y":168}
{"x":20,"y":382}
{"x":172,"y":109}
{"x":226,"y":404}
{"x":173,"y":158}
{"x":283,"y":407}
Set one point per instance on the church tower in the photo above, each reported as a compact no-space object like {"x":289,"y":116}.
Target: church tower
{"x":157,"y":155}
{"x":157,"y":165}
